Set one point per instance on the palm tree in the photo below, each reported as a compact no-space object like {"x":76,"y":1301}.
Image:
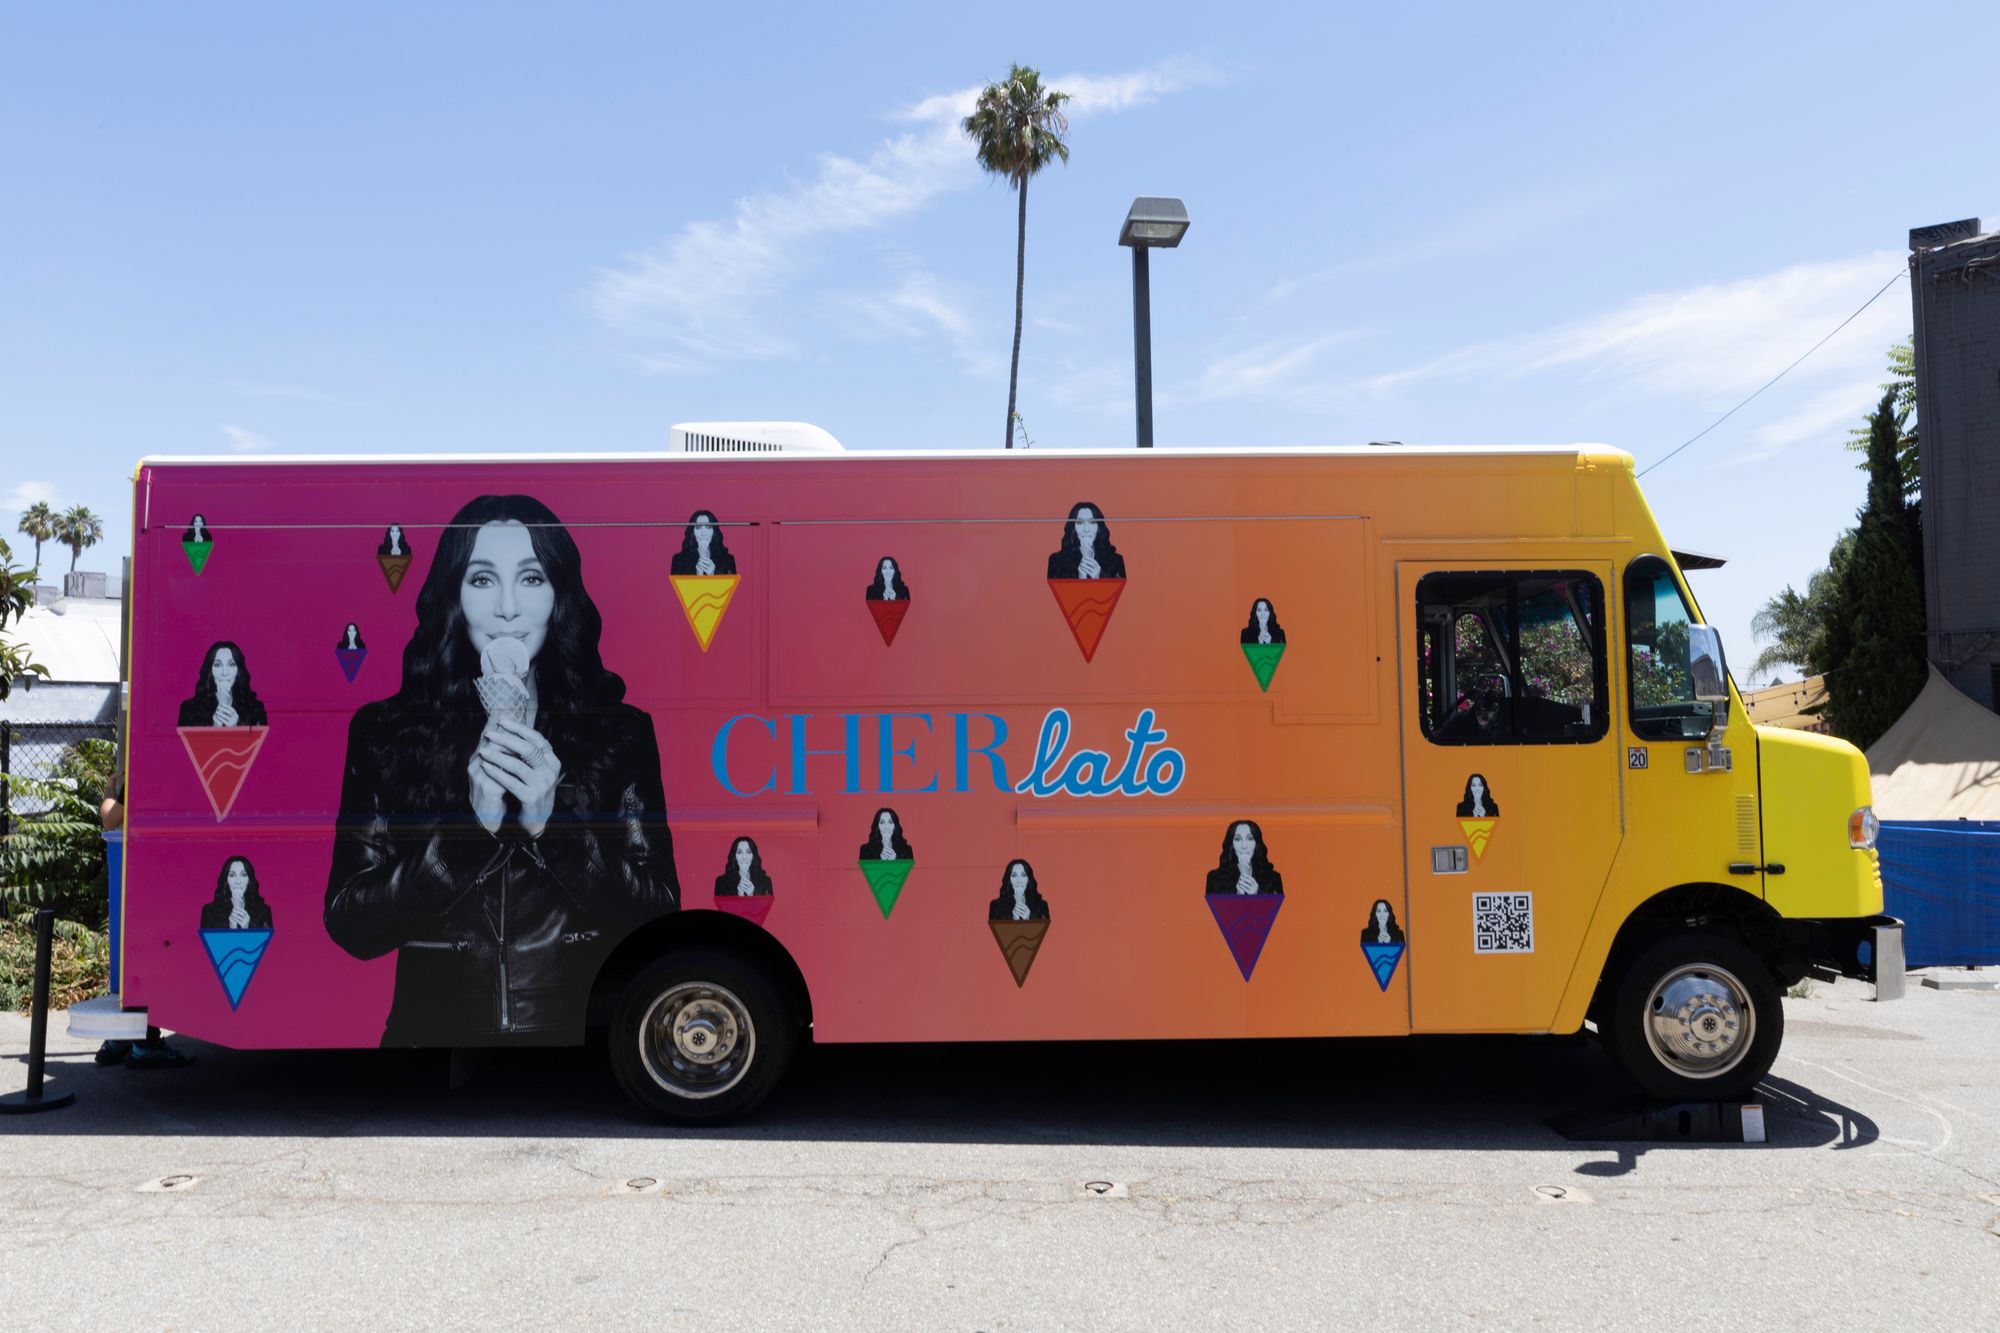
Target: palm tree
{"x":79,"y":529}
{"x":1018,"y":126}
{"x":38,"y":522}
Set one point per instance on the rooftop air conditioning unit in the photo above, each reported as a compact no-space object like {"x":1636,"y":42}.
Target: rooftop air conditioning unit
{"x":751,"y":437}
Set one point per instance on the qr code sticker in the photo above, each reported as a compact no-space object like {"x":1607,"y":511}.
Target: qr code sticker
{"x":1503,"y":923}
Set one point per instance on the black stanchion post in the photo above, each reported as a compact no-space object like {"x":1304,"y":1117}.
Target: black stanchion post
{"x":31,"y":1098}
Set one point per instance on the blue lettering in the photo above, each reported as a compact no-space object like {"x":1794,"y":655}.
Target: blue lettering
{"x":886,"y":754}
{"x":963,"y":750}
{"x":1089,"y":772}
{"x":850,"y":748}
{"x":718,"y":755}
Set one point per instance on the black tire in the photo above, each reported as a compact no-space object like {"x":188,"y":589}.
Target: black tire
{"x":736,"y":1037}
{"x":1729,"y":1024}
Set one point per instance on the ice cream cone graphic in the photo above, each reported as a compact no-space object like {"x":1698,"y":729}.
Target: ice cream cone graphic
{"x":885,"y":881}
{"x":752,"y":907}
{"x":1382,"y":960}
{"x":222,"y":757}
{"x":1477,"y":831}
{"x":350,"y":660}
{"x":1019,"y":942}
{"x":235,"y":955}
{"x":1263,"y":660}
{"x":197,"y":554}
{"x":888,"y":618}
{"x":393,"y":569}
{"x":704,"y":599}
{"x":1087,"y":605}
{"x":1245,"y":922}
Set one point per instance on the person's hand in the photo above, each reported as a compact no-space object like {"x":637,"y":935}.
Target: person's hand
{"x":225,"y":714}
{"x":523,"y":762}
{"x":239,"y":919}
{"x":489,"y":798}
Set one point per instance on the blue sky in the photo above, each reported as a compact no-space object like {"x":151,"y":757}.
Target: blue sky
{"x":386,"y":228}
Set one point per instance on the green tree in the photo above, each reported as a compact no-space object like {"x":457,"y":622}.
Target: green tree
{"x":53,"y":854}
{"x":79,"y":529}
{"x":17,"y":594}
{"x":1902,"y":382}
{"x":1874,"y":640}
{"x":38,"y":523}
{"x":1017,"y":127}
{"x":1795,"y":623}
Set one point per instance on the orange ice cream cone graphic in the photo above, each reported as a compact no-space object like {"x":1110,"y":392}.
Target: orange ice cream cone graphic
{"x":1087,"y":605}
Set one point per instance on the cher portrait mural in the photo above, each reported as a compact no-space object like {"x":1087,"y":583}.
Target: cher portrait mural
{"x":1086,"y":551}
{"x":744,"y":875}
{"x":502,"y":823}
{"x":1245,"y":864}
{"x":888,"y":585}
{"x":222,"y":693}
{"x":703,"y":551}
{"x":1020,"y":897}
{"x":238,"y":903}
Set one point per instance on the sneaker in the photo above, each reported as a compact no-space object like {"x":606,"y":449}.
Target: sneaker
{"x":113,"y":1052}
{"x":154,"y":1053}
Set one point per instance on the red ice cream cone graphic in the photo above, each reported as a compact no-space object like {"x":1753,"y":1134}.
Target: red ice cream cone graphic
{"x":752,"y":908}
{"x":222,"y":757}
{"x":1087,"y":605}
{"x":888,"y":618}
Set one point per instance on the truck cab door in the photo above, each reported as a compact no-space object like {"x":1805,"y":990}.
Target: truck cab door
{"x":1511,"y":784}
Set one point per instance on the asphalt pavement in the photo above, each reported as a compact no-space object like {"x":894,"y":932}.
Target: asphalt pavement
{"x":1278,"y":1185}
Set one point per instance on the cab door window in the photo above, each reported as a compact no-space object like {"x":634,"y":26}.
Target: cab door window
{"x":1511,"y":659}
{"x":1656,"y":655}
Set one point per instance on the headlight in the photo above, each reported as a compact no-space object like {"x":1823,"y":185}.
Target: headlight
{"x":1862,"y":826}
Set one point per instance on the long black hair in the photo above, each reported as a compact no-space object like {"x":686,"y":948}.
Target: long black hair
{"x":1250,"y":628}
{"x":215,"y":913}
{"x":1002,"y":907}
{"x":1260,"y":857}
{"x":359,"y":642}
{"x":383,"y":549}
{"x":871,"y":850}
{"x":718,"y":550}
{"x":1102,"y":548}
{"x":438,"y":706}
{"x":1492,"y":806}
{"x":760,"y":880}
{"x":877,"y":588}
{"x":241,"y":697}
{"x":1371,"y":930}
{"x":207,"y":533}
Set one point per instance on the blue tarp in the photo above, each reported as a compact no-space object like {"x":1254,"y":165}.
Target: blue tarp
{"x":1942,"y":877}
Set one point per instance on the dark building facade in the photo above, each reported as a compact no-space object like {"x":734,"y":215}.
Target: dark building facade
{"x":1955,"y":300}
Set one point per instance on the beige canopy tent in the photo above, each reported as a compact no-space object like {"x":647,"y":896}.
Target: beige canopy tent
{"x":1940,"y":761}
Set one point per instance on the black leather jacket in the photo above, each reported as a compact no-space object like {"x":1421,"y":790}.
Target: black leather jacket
{"x":498,"y":936}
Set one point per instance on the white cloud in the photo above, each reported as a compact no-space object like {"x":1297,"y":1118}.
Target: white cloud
{"x":711,"y":292}
{"x":1711,"y":341}
{"x":245,"y":441}
{"x":1265,"y":370}
{"x":918,"y":309}
{"x":25,"y":493}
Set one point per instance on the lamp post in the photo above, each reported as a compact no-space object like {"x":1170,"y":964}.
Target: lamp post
{"x":1150,"y":224}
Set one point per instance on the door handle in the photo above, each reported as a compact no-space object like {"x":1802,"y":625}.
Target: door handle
{"x":1751,"y":868}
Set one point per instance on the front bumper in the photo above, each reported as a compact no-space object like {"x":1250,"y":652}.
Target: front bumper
{"x":1866,"y":948}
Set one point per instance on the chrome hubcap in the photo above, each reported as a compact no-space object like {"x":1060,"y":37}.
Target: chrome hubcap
{"x":697,"y":1040}
{"x":1699,"y":1021}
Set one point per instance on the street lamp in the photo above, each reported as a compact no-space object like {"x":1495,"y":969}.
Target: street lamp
{"x":1151,"y":224}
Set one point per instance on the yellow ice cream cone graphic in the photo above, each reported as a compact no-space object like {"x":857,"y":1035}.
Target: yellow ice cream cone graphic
{"x":704,"y":597}
{"x":1477,"y":831}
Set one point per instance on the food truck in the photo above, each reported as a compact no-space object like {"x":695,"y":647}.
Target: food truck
{"x":727,"y":751}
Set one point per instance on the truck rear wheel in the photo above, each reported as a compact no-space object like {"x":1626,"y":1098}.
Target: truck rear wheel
{"x":1695,"y":1017}
{"x":700,"y":1037}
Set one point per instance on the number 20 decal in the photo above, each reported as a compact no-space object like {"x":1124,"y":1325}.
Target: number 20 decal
{"x":1635,"y":757}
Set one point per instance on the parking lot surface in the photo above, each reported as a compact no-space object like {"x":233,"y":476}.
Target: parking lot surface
{"x":1283,"y":1185}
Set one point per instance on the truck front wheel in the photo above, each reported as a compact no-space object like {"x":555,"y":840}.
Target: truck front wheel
{"x":1695,"y":1017}
{"x":700,"y":1037}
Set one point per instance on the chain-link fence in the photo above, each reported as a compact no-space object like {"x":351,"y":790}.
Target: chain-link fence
{"x":47,"y":751}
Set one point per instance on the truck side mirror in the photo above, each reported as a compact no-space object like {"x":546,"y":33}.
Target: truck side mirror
{"x":1710,"y":673}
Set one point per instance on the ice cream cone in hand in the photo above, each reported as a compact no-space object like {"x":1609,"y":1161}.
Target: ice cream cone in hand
{"x":502,"y":681}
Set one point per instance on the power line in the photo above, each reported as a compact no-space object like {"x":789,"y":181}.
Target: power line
{"x":1781,"y":374}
